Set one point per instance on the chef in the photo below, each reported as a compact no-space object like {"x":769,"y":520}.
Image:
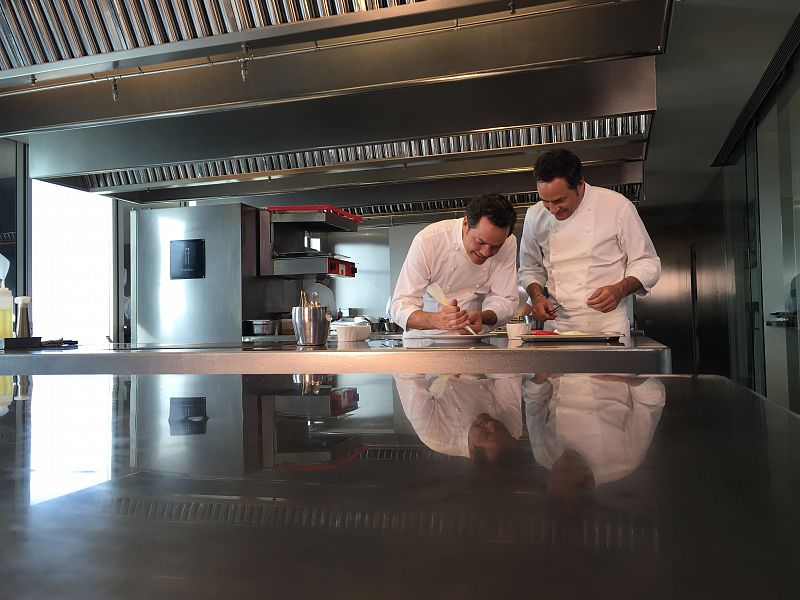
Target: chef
{"x":472,"y":259}
{"x":584,"y":250}
{"x":475,"y":416}
{"x":591,"y":429}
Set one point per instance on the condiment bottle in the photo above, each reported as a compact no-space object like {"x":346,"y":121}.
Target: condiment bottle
{"x":6,"y":308}
{"x":23,"y":316}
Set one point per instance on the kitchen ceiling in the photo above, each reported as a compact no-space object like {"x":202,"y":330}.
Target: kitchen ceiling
{"x":375,"y":106}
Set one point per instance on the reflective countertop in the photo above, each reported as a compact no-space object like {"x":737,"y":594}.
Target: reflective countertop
{"x":385,"y":354}
{"x":395,"y":486}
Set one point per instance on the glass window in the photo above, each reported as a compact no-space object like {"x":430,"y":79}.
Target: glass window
{"x":72,"y":264}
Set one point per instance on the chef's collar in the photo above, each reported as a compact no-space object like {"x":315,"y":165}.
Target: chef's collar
{"x":585,"y":202}
{"x":458,"y":240}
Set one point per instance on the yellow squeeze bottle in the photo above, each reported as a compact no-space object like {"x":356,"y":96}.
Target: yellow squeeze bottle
{"x":6,"y":308}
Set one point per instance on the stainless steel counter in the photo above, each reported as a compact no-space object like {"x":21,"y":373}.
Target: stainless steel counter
{"x":195,"y":486}
{"x":642,"y":355}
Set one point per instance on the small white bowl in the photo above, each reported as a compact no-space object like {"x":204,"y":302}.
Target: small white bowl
{"x":517,"y":330}
{"x":353,"y":333}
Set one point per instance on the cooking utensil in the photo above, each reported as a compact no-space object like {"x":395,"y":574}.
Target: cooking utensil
{"x":261,"y":327}
{"x":390,"y":326}
{"x":311,"y":325}
{"x":437,"y":294}
{"x":375,"y":326}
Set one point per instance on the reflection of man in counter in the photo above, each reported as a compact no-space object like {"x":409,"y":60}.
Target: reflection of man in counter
{"x":473,"y":259}
{"x":587,"y":246}
{"x":476,"y":416}
{"x":590,"y":429}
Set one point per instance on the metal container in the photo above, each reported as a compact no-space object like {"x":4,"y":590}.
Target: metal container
{"x":261,"y":327}
{"x":311,"y":325}
{"x":390,"y":326}
{"x":376,"y":325}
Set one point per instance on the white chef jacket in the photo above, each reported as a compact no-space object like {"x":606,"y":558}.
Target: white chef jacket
{"x":437,"y":254}
{"x":601,"y":243}
{"x":609,"y":423}
{"x":441,"y":409}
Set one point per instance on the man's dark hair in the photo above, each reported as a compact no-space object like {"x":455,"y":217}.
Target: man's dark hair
{"x":511,"y":458}
{"x":495,"y":207}
{"x":559,"y":163}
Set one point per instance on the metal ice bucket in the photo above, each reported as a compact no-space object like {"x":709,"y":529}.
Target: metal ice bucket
{"x":311,"y":325}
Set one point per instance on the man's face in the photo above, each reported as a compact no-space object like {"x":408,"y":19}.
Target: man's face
{"x":558,"y":198}
{"x":489,"y":434}
{"x":484,"y":241}
{"x":570,"y":477}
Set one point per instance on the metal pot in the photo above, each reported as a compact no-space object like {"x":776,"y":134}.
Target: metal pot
{"x":390,"y":326}
{"x":375,"y":326}
{"x":261,"y":327}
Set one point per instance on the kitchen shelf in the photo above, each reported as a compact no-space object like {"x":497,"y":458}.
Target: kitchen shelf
{"x":312,"y":265}
{"x":316,"y":220}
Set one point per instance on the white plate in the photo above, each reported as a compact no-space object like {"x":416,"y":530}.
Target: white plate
{"x":450,"y":338}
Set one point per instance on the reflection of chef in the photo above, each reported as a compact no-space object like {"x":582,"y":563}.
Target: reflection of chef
{"x":591,"y":429}
{"x":477,"y":416}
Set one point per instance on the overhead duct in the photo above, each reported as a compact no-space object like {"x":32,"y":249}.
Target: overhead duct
{"x":575,"y":93}
{"x":369,"y":156}
{"x":384,"y":110}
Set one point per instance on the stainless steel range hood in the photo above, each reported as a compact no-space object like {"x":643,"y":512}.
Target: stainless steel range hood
{"x":348,"y":103}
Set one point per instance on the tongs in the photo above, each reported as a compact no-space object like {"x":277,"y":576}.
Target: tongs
{"x":305,"y":302}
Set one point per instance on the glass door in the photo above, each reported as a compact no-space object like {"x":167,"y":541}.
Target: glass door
{"x":779,"y":189}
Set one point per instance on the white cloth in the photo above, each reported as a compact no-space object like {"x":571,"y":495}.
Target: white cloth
{"x":609,"y":423}
{"x":441,"y":409}
{"x":437,"y":255}
{"x":601,"y":243}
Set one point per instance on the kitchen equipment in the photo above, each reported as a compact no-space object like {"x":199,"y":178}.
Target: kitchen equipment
{"x":375,"y":326}
{"x":286,"y":327}
{"x":308,"y":383}
{"x":324,"y":295}
{"x":260,"y":327}
{"x":282,"y":241}
{"x":517,"y":330}
{"x":311,"y":325}
{"x":390,"y":326}
{"x":566,"y":339}
{"x":353,"y":333}
{"x":321,"y":209}
{"x":23,"y":327}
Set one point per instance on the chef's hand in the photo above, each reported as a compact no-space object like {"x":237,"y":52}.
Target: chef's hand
{"x":606,"y":298}
{"x":475,"y":321}
{"x":451,"y":316}
{"x":543,"y":309}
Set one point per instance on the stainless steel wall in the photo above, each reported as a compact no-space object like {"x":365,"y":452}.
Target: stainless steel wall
{"x":159,"y":445}
{"x":210,"y":309}
{"x":187,"y":310}
{"x":688,"y":308}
